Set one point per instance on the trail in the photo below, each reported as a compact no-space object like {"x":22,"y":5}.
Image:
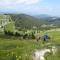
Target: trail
{"x":39,"y":55}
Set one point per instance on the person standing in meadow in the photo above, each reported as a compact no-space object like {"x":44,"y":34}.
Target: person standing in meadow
{"x":46,"y":37}
{"x":38,"y":36}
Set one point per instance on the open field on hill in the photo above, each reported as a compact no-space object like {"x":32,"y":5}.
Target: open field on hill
{"x":18,"y":49}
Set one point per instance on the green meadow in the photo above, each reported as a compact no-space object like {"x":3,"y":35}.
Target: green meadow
{"x":14,"y":48}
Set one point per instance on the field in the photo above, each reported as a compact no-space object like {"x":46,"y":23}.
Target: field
{"x":18,"y":49}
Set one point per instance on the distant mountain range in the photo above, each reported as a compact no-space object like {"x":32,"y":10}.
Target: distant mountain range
{"x":24,"y":21}
{"x":42,"y":16}
{"x":50,"y":19}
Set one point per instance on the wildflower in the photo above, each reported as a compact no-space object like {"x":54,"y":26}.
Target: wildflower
{"x":12,"y":53}
{"x":16,"y":56}
{"x":25,"y":54}
{"x":19,"y":57}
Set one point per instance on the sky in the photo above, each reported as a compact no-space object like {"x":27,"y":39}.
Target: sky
{"x":31,"y":7}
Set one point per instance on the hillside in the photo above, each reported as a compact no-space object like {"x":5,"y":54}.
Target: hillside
{"x":49,"y":19}
{"x":6,"y":23}
{"x":25,"y":21}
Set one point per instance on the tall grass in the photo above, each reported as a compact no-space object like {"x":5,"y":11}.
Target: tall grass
{"x":17,"y":49}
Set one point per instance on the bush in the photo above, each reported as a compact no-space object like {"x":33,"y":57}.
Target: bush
{"x":33,"y":36}
{"x":25,"y":36}
{"x":9,"y":33}
{"x":17,"y":34}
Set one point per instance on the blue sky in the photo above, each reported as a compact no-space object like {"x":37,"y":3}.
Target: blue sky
{"x":32,"y":7}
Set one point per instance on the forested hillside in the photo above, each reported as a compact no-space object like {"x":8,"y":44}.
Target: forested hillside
{"x":6,"y":23}
{"x":26,"y":22}
{"x":23,"y":21}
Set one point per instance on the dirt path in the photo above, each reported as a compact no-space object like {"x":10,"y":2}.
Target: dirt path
{"x":39,"y":55}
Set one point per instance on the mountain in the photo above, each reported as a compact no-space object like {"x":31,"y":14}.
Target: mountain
{"x":26,"y":21}
{"x":47,"y":17}
{"x":6,"y":23}
{"x":42,"y":16}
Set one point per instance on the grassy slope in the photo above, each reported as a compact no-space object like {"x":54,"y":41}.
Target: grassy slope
{"x":23,"y":21}
{"x":9,"y":49}
{"x":55,"y":41}
{"x":10,"y":27}
{"x":15,"y":49}
{"x":26,"y":21}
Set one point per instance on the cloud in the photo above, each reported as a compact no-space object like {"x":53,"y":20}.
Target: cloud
{"x":16,"y":4}
{"x":20,"y":2}
{"x":27,"y":2}
{"x":24,"y":6}
{"x":38,"y":10}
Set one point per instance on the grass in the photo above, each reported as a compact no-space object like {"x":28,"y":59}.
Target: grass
{"x":17,"y":49}
{"x":55,"y":41}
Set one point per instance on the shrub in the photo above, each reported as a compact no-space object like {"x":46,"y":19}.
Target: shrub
{"x":33,"y":36}
{"x":9,"y":33}
{"x":25,"y":36}
{"x":17,"y":34}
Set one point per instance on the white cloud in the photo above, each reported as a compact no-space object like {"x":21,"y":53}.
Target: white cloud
{"x":27,"y":2}
{"x":28,"y":6}
{"x":11,"y":4}
{"x":39,"y":10}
